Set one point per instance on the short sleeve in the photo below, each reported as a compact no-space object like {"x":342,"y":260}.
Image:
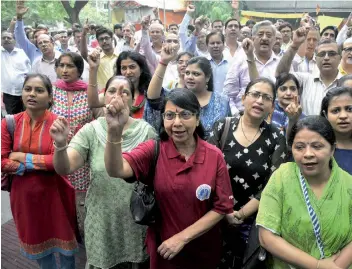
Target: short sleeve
{"x":223,"y":197}
{"x":140,"y":159}
{"x":279,"y":155}
{"x":216,"y":133}
{"x":81,"y":142}
{"x":270,"y":206}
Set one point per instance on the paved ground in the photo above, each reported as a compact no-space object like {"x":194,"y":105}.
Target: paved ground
{"x":10,"y":253}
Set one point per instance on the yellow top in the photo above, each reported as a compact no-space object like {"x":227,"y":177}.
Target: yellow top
{"x":106,"y":68}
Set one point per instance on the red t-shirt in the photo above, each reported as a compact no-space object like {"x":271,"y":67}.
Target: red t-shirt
{"x":185,"y":192}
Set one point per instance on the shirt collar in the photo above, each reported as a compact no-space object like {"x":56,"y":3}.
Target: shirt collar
{"x":198,"y":155}
{"x":102,"y":54}
{"x":316,"y":77}
{"x":14,"y":49}
{"x":273,"y":57}
{"x":223,"y":60}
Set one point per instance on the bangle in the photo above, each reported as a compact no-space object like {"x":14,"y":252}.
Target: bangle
{"x":157,"y":75}
{"x":318,"y":264}
{"x":58,"y":148}
{"x":244,"y":215}
{"x":164,"y":64}
{"x":93,"y":85}
{"x":114,"y":143}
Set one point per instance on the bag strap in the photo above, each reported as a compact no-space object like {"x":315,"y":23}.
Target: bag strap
{"x":313,"y":216}
{"x":225,"y":133}
{"x":155,"y":157}
{"x":10,"y":123}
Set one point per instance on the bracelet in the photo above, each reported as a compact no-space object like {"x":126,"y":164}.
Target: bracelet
{"x":318,"y":264}
{"x":93,"y":85}
{"x":114,"y":143}
{"x":60,"y":149}
{"x":244,"y":215}
{"x":164,"y":64}
{"x":157,"y":75}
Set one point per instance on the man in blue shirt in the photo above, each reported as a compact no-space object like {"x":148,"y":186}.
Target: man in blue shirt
{"x":20,"y":35}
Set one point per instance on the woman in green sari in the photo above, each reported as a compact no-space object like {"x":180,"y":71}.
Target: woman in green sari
{"x":112,"y":238}
{"x":322,"y":238}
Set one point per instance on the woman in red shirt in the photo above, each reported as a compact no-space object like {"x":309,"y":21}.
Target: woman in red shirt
{"x":191,"y":183}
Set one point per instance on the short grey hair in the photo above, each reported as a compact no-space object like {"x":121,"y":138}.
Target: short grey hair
{"x":261,"y":24}
{"x":130,"y":25}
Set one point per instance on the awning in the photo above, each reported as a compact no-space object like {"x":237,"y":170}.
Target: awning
{"x":271,"y":15}
{"x":327,"y":20}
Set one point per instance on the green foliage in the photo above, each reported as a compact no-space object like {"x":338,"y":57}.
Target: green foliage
{"x":94,"y":16}
{"x":46,"y":12}
{"x":51,"y":12}
{"x":215,"y":10}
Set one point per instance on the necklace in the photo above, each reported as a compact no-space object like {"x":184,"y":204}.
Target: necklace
{"x":250,"y":141}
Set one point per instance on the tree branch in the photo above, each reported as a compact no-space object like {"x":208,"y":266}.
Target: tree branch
{"x":79,"y":5}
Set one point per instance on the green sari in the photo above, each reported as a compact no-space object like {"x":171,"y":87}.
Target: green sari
{"x":283,"y":211}
{"x":111,"y":236}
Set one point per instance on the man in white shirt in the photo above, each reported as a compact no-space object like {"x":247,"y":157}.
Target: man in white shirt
{"x":14,"y":67}
{"x":315,"y":86}
{"x":233,"y":48}
{"x":307,"y":62}
{"x":286,"y":30}
{"x":46,"y":64}
{"x":266,"y":61}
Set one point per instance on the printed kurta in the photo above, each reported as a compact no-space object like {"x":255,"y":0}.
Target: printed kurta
{"x":42,"y":202}
{"x":78,"y":114}
{"x":111,"y":236}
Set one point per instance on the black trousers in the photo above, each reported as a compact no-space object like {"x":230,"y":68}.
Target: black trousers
{"x":13,"y":104}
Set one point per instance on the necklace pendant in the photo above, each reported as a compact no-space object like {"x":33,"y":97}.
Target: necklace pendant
{"x":245,"y":150}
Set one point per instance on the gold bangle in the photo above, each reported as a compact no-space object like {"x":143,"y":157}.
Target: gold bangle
{"x":318,"y":264}
{"x":93,"y":85}
{"x":114,"y":143}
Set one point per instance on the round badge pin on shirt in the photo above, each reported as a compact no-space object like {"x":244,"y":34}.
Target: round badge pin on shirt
{"x":203,"y":192}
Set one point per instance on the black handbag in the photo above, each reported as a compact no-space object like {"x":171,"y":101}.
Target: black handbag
{"x":254,"y":256}
{"x":143,"y":204}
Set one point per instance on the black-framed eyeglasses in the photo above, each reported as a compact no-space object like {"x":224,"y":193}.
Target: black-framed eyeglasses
{"x":102,"y":39}
{"x":330,"y":53}
{"x":347,"y":49}
{"x":256,"y":95}
{"x":183,"y":115}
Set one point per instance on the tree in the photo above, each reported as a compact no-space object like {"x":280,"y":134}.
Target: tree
{"x":73,"y":12}
{"x":215,"y":10}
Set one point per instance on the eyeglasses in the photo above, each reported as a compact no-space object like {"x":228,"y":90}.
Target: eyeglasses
{"x":257,"y":95}
{"x":183,"y":115}
{"x":285,"y":88}
{"x":102,"y":39}
{"x":330,"y":53}
{"x":45,"y":42}
{"x":347,"y":49}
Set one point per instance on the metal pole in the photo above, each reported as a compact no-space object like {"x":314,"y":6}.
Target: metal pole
{"x":164,"y":14}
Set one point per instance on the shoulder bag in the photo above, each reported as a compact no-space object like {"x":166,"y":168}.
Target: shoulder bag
{"x":143,"y":203}
{"x":6,"y":178}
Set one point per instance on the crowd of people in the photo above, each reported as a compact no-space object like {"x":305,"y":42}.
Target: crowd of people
{"x":253,"y":123}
